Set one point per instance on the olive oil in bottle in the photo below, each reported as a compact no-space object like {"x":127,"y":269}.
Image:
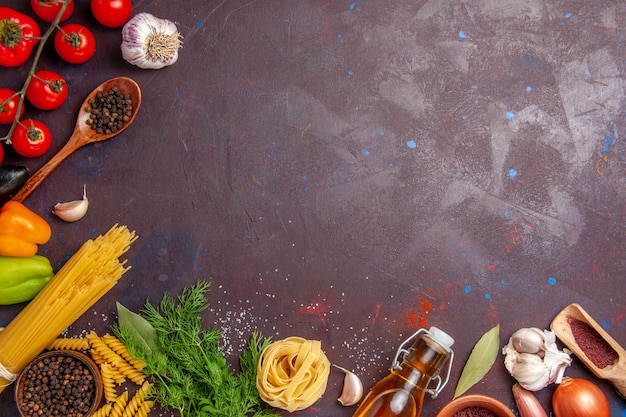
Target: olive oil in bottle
{"x":401,"y":393}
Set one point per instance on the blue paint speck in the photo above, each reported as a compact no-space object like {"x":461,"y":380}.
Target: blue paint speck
{"x":366,"y":153}
{"x":464,"y":117}
{"x":529,"y":89}
{"x":199,"y":24}
{"x":502,"y":282}
{"x":510,"y":115}
{"x":624,"y":413}
{"x":462,"y":34}
{"x":505,"y":214}
{"x":487,"y":297}
{"x":512,"y":173}
{"x":463,"y":255}
{"x":350,"y":73}
{"x":468,"y":289}
{"x":568,"y":15}
{"x":552,"y":281}
{"x":606,"y":324}
{"x":303,"y":178}
{"x":339,"y":36}
{"x":381,"y":133}
{"x":411,"y":144}
{"x":352,"y":5}
{"x":608,"y":141}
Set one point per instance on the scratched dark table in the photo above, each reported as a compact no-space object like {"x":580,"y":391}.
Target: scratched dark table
{"x":353,"y":171}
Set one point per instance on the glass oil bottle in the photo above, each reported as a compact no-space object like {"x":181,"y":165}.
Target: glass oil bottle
{"x":401,"y":393}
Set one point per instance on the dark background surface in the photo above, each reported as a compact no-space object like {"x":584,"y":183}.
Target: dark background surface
{"x":351,"y":171}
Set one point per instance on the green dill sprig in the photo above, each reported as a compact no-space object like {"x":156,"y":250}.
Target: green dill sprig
{"x":184,"y":360}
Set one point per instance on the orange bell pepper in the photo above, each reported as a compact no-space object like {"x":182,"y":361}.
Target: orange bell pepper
{"x":21,"y":230}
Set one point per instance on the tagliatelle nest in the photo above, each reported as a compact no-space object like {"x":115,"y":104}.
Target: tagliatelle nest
{"x":292,"y":373}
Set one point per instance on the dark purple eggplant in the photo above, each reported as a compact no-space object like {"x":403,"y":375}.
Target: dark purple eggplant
{"x":12,"y":179}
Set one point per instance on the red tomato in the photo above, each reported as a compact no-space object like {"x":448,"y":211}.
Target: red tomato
{"x":8,"y":110}
{"x":75,"y":43}
{"x":31,"y":138}
{"x":19,"y":34}
{"x":47,"y":90}
{"x":112,"y":13}
{"x":47,"y":10}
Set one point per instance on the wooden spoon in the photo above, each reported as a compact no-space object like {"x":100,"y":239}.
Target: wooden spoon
{"x":615,"y":372}
{"x":83,"y":133}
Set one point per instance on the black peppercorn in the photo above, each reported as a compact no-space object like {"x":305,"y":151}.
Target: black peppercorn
{"x":109,"y":110}
{"x":58,"y":386}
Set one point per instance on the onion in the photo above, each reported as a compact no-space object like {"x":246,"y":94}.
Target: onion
{"x":576,"y":397}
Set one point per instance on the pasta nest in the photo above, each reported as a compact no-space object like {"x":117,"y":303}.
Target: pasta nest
{"x":292,"y":373}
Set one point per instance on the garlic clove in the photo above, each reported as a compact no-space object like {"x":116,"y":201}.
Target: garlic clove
{"x":352,"y":388}
{"x":529,"y":340}
{"x":529,"y":370}
{"x":72,"y":210}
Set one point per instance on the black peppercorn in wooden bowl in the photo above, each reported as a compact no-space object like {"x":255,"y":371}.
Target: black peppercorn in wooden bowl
{"x":59,"y":383}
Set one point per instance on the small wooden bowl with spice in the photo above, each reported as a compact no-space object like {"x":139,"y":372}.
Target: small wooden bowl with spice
{"x":592,"y":345}
{"x":475,"y":405}
{"x":59,"y":383}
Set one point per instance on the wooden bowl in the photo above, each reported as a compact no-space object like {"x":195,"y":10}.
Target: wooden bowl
{"x":475,"y":400}
{"x":84,"y":362}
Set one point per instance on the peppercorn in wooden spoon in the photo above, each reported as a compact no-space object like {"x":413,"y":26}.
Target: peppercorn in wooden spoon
{"x":96,"y":121}
{"x":592,"y":345}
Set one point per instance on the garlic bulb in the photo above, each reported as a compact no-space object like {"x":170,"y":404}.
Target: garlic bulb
{"x":72,"y":210}
{"x":533,"y":358}
{"x":149,"y":42}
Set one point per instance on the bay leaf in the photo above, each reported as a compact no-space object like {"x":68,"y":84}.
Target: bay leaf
{"x":142,"y":329}
{"x":480,"y":360}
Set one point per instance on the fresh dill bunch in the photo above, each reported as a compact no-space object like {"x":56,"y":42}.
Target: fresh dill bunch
{"x":185,"y":362}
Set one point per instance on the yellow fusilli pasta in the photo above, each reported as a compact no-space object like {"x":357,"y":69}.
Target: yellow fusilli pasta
{"x":145,"y":408}
{"x":62,"y":343}
{"x":108,"y":382}
{"x":103,"y":411}
{"x":130,"y":372}
{"x":119,"y":405}
{"x":120,"y":348}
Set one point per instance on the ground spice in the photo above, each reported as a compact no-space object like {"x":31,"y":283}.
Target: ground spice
{"x":474,"y":412}
{"x":598,"y":350}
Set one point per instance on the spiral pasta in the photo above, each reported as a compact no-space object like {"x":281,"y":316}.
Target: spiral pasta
{"x":69,"y":344}
{"x":135,"y":403}
{"x":292,"y":373}
{"x":120,"y":348}
{"x":119,"y":404}
{"x":144,"y":409}
{"x":108,"y":382}
{"x":103,"y":411}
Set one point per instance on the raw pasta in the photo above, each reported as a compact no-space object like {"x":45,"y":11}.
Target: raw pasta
{"x":69,"y":344}
{"x":292,"y":373}
{"x":89,"y":274}
{"x":103,"y":411}
{"x":120,"y":348}
{"x":119,"y":405}
{"x":136,"y":401}
{"x":108,"y":382}
{"x":145,"y":408}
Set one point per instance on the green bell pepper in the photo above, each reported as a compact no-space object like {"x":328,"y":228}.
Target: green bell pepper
{"x":21,"y":279}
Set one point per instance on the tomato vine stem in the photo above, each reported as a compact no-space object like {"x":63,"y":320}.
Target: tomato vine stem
{"x":22,"y":92}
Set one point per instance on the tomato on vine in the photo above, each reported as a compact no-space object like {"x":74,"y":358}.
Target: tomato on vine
{"x":31,"y":138}
{"x":19,"y":34}
{"x":75,"y":43}
{"x":111,"y":13}
{"x":47,"y":10}
{"x":9,"y":102}
{"x":47,"y":90}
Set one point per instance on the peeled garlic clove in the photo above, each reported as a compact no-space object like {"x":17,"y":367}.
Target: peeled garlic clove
{"x":352,"y":388}
{"x":529,"y":340}
{"x":72,"y":210}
